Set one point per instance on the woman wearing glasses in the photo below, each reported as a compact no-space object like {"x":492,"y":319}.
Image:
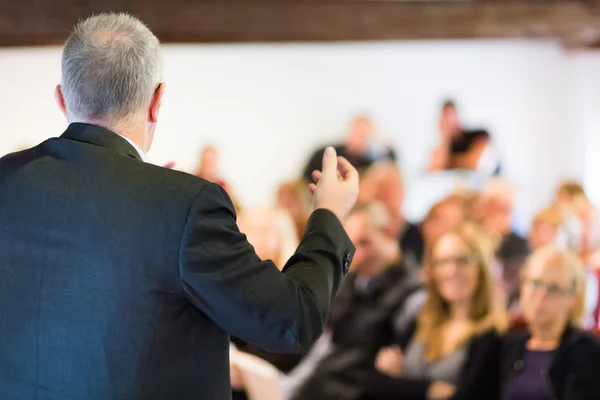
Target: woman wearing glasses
{"x":554,"y":360}
{"x":455,"y":350}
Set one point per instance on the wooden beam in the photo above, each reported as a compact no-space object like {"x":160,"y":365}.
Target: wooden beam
{"x":38,"y":22}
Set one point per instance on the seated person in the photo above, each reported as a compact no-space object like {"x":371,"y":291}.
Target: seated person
{"x":378,"y":294}
{"x":454,"y":352}
{"x":383,"y":183}
{"x":553,"y":359}
{"x":359,"y":147}
{"x":545,"y":229}
{"x":511,"y":248}
{"x":460,"y":148}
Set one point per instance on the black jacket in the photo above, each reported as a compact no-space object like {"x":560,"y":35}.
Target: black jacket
{"x":361,"y":322}
{"x":574,"y":373}
{"x":477,"y":376}
{"x":120,"y":279}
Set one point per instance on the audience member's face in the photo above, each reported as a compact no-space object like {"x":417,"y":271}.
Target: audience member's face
{"x":209,"y":161}
{"x":443,"y":220}
{"x":368,"y":259}
{"x":542,"y":234}
{"x":261,"y":231}
{"x":454,"y":269}
{"x":359,"y":136}
{"x":449,"y":122}
{"x":499,"y":215}
{"x":547,"y":293}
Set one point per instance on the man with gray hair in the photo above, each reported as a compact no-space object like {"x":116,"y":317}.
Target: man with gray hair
{"x":120,"y":279}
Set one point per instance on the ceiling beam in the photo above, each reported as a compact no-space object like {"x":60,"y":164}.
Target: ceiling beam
{"x":41,"y":22}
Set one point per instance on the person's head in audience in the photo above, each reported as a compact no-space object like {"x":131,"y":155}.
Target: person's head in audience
{"x":271,"y":232}
{"x":383,"y":183}
{"x":460,"y":286}
{"x":552,"y":292}
{"x":449,"y":123}
{"x":208,"y":167}
{"x":442,"y":217}
{"x":359,"y":136}
{"x":545,"y":228}
{"x":294,"y":197}
{"x":376,"y":249}
{"x":112,"y":77}
{"x":568,"y":194}
{"x":498,"y":196}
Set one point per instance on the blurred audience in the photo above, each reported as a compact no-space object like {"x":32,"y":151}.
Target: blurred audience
{"x":383,"y":183}
{"x":545,"y":229}
{"x":272,"y":233}
{"x":454,"y":352}
{"x":208,"y":167}
{"x":553,"y":359}
{"x":360,"y":147}
{"x":295,"y":198}
{"x":510,"y":248}
{"x":377,"y":300}
{"x":460,"y":148}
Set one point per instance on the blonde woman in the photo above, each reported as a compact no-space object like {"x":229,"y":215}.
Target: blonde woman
{"x":454,"y":352}
{"x":553,"y":359}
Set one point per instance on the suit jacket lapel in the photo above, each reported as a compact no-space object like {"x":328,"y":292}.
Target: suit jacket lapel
{"x":99,"y":136}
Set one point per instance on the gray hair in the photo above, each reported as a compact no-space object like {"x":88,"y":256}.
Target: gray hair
{"x":111,"y":68}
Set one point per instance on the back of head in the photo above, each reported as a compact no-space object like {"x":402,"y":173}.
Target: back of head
{"x":111,"y":67}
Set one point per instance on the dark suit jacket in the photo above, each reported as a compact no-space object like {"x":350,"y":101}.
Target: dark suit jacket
{"x":574,"y":372}
{"x":121,"y":280}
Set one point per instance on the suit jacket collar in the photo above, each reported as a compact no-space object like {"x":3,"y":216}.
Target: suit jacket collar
{"x":99,"y":136}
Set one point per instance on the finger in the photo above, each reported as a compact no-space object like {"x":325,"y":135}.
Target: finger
{"x":316,"y":175}
{"x":313,"y":188}
{"x":169,"y":165}
{"x":346,"y":170}
{"x":330,"y":162}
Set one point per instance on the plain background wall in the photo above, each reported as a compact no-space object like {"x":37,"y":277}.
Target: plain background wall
{"x":268,"y":106}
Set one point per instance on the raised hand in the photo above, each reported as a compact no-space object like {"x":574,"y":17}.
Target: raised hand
{"x":336,"y":187}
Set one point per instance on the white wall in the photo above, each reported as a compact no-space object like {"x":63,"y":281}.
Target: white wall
{"x":267,"y":106}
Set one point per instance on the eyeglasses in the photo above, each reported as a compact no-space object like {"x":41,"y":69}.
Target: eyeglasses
{"x":466,"y":260}
{"x":551,"y":288}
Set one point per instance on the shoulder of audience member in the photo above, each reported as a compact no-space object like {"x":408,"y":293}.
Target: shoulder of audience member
{"x":583,"y":351}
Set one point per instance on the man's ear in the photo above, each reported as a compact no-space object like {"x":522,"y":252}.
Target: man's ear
{"x":155,"y":103}
{"x":60,"y":100}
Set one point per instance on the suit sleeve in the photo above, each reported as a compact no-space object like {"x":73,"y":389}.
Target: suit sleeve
{"x":251,"y":299}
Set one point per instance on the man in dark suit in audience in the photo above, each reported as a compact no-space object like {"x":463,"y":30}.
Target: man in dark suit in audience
{"x":120,"y":279}
{"x":359,"y":147}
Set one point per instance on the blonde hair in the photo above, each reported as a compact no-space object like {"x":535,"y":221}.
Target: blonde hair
{"x":550,"y":215}
{"x":486,"y":311}
{"x":552,"y":256}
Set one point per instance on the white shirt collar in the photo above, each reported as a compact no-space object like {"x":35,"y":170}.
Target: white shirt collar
{"x":137,"y":148}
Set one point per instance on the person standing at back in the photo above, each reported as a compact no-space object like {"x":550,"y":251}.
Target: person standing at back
{"x":122,"y":280}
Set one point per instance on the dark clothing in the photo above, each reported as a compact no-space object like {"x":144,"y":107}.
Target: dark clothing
{"x":574,"y":372}
{"x":464,"y":142}
{"x":477,"y":378}
{"x":361,"y":323}
{"x":359,"y":161}
{"x":412,"y":244}
{"x":120,"y":279}
{"x":531,"y":383}
{"x":512,"y":253}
